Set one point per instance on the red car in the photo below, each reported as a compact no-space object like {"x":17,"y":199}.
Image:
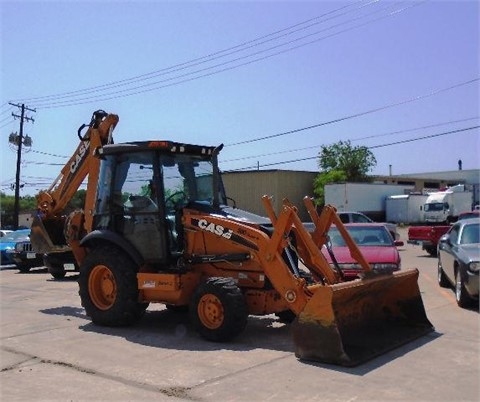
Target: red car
{"x":375,"y":243}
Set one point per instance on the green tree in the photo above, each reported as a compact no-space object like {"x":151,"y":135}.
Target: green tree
{"x":28,"y":204}
{"x":342,"y":162}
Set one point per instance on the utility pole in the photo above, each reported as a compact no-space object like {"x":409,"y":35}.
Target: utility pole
{"x":19,"y":141}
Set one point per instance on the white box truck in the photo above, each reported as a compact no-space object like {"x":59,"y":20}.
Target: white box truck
{"x":445,"y":206}
{"x":405,"y":208}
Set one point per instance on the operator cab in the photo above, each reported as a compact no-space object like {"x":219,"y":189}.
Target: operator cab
{"x":143,"y":187}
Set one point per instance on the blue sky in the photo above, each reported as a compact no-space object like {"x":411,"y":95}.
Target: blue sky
{"x":399,"y":77}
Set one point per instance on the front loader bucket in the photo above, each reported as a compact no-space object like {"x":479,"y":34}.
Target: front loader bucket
{"x":47,"y":235}
{"x":351,"y":322}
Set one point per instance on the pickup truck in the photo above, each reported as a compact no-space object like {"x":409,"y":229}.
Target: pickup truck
{"x":428,"y":236}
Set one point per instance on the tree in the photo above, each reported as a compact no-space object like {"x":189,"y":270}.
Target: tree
{"x":28,"y":204}
{"x":342,"y":162}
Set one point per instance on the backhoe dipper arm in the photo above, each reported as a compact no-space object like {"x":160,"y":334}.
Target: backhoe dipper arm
{"x":53,"y":201}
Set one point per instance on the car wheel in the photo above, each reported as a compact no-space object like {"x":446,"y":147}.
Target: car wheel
{"x":442,"y":278}
{"x":58,"y":274}
{"x":461,"y":295}
{"x":431,"y":250}
{"x":218,"y":310}
{"x":24,"y":268}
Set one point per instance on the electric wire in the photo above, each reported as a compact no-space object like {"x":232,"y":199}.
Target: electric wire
{"x":355,"y":115}
{"x":209,"y":57}
{"x":181,"y":78}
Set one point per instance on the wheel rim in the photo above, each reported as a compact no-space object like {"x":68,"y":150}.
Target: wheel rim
{"x":458,"y":287}
{"x":102,"y":287}
{"x":210,"y":311}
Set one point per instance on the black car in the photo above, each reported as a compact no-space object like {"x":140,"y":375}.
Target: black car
{"x":59,"y":263}
{"x":459,"y":260}
{"x":25,"y":257}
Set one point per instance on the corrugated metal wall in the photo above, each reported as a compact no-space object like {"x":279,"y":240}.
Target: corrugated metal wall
{"x":248,"y":188}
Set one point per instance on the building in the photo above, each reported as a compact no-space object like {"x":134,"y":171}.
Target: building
{"x":246,"y":188}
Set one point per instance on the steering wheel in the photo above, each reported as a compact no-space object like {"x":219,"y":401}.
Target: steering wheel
{"x":175,"y":199}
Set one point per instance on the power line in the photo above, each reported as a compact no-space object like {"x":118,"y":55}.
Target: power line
{"x":370,"y":147}
{"x":209,"y":57}
{"x":180,"y":79}
{"x":355,"y":139}
{"x":352,"y":116}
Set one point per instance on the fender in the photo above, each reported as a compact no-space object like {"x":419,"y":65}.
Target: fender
{"x":111,"y":237}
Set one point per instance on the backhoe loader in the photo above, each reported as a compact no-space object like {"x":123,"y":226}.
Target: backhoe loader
{"x":157,"y":228}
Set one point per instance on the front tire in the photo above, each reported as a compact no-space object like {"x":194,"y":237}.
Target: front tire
{"x":108,"y":287}
{"x":24,"y":268}
{"x":218,"y":310}
{"x":441,"y":277}
{"x":461,"y":295}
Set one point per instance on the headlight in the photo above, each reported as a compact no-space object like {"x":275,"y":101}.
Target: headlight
{"x":474,"y":267}
{"x":19,"y":247}
{"x":347,"y":266}
{"x":385,"y":267}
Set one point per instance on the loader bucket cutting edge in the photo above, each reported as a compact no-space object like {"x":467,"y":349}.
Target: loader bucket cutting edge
{"x":352,"y":322}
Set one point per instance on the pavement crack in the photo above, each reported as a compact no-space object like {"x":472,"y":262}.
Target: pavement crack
{"x":174,"y":391}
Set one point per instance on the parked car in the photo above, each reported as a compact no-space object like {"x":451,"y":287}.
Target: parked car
{"x":358,"y":217}
{"x":58,"y":264}
{"x":8,"y":242}
{"x":459,"y":260}
{"x":469,"y":214}
{"x":375,"y":243}
{"x":24,"y":256}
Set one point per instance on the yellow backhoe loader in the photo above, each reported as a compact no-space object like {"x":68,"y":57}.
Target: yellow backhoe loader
{"x":157,"y":229}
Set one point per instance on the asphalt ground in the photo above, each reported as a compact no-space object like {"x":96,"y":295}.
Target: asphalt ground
{"x":50,"y":351}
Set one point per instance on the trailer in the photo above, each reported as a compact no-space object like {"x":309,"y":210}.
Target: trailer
{"x":368,"y":198}
{"x":405,"y":208}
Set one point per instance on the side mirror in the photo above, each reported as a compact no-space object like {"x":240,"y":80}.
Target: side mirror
{"x":399,"y":243}
{"x":445,"y":239}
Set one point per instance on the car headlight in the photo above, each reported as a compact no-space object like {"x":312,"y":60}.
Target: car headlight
{"x":19,"y":247}
{"x":347,"y":266}
{"x":474,"y":267}
{"x":385,"y":267}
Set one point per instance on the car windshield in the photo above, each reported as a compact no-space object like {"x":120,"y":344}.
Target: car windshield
{"x":470,"y":234}
{"x":362,"y":235}
{"x":18,"y":235}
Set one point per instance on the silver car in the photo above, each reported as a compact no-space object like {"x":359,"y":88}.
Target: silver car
{"x":358,"y":217}
{"x":459,"y":260}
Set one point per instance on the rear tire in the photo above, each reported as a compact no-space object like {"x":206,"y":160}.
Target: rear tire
{"x":461,"y":295}
{"x":431,"y":250}
{"x":108,"y":287}
{"x":58,"y":275}
{"x":218,"y":310}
